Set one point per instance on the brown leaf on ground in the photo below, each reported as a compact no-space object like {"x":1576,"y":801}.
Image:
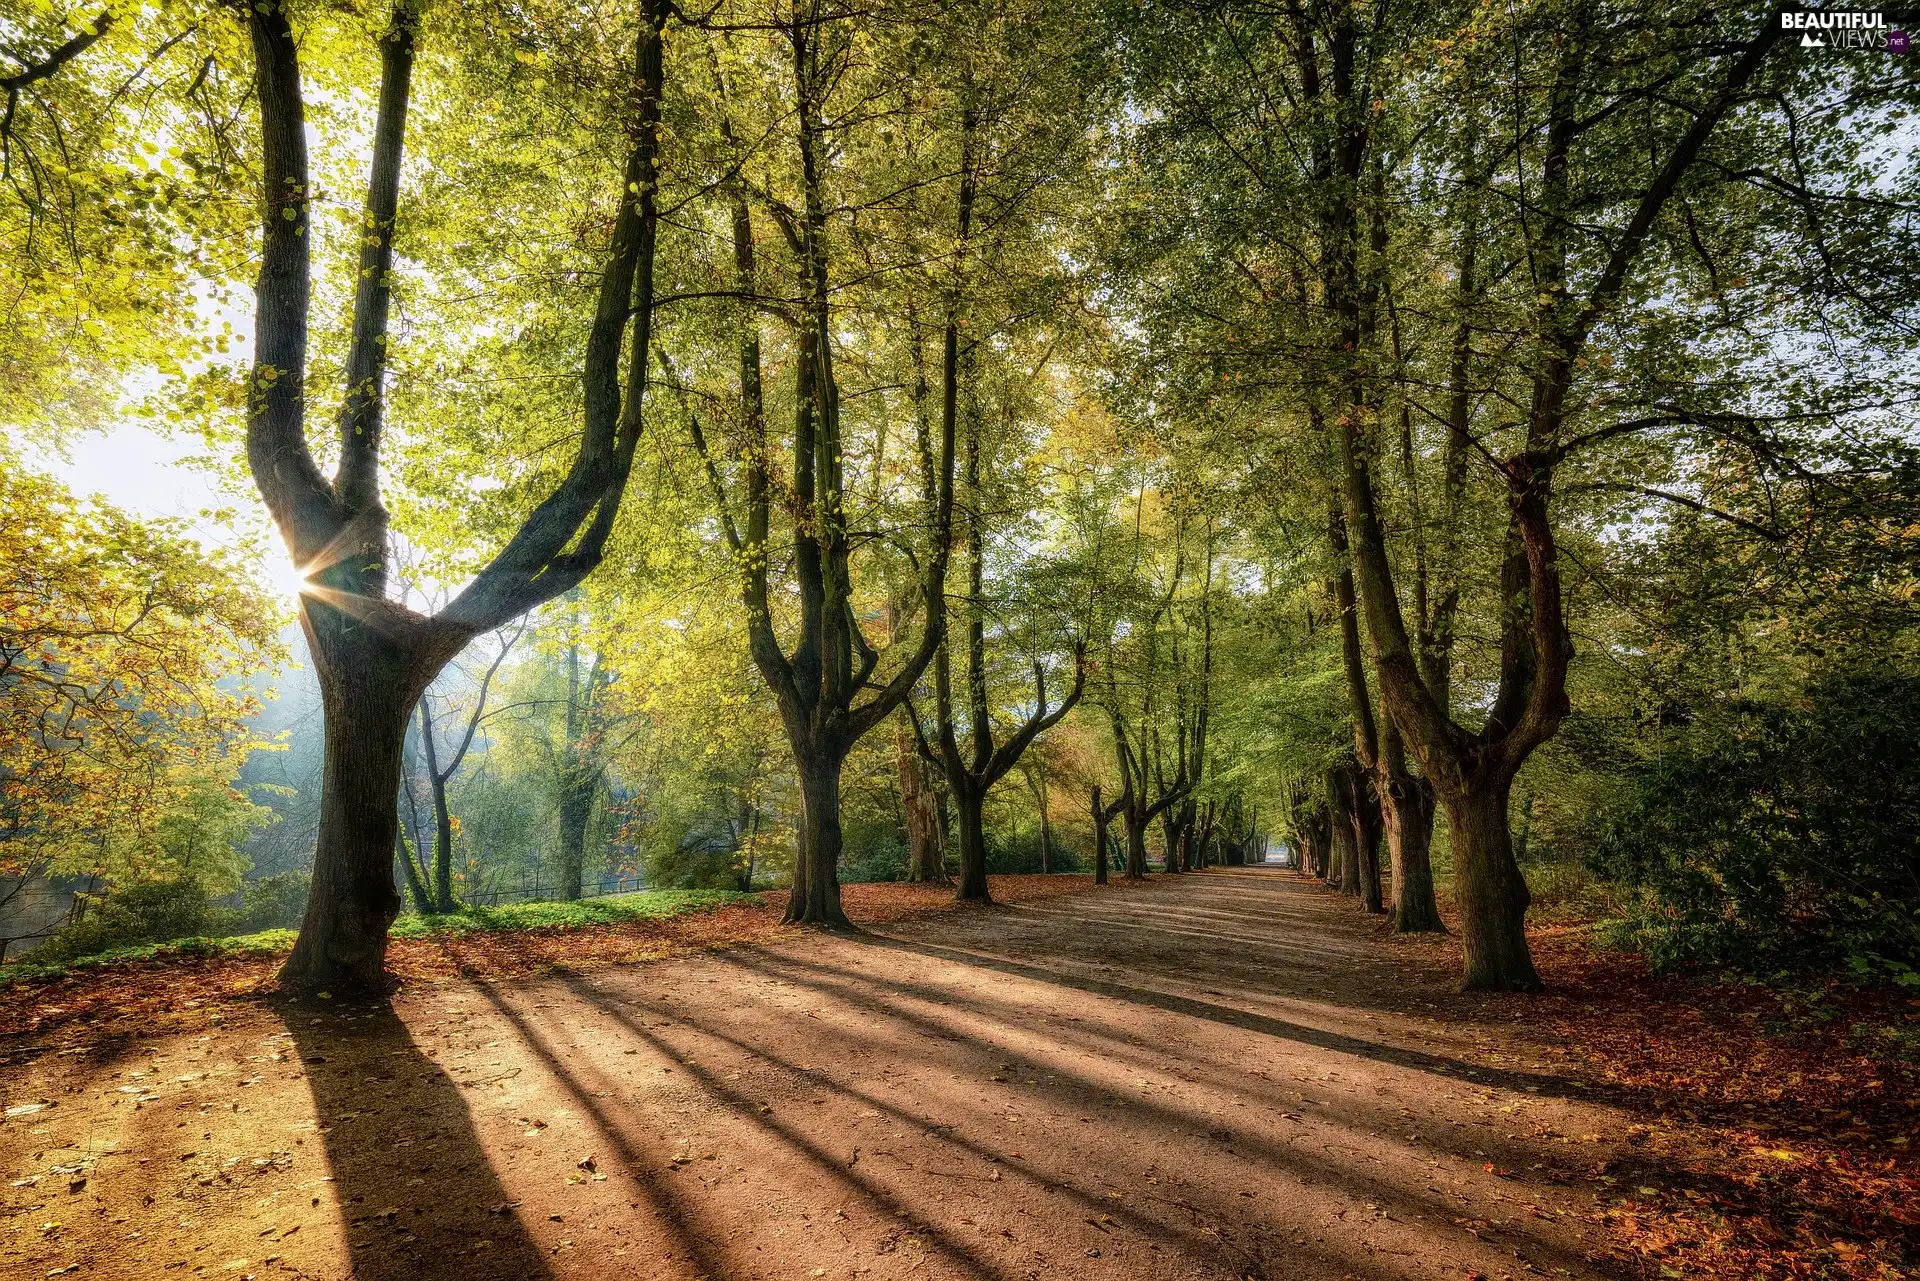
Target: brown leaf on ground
{"x":169,"y":993}
{"x":1781,"y":1128}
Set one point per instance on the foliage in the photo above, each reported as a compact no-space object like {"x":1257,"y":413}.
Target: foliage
{"x":120,"y":725}
{"x":648,"y":905}
{"x":122,"y":192}
{"x":271,"y":902}
{"x":265,"y":944}
{"x":1205,"y":246}
{"x":144,"y":912}
{"x":1781,"y":832}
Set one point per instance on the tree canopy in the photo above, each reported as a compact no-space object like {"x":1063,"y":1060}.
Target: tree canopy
{"x":1468,"y":448}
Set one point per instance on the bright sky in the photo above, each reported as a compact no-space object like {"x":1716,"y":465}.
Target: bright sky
{"x":145,"y":473}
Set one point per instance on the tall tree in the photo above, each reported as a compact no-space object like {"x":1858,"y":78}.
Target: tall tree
{"x":1472,"y":770}
{"x":819,"y":683}
{"x":374,"y":656}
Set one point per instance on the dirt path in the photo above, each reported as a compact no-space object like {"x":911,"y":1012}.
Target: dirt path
{"x":1227,"y":1075}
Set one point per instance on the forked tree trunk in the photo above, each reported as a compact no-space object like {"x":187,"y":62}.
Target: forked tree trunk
{"x":969,"y":811}
{"x":815,"y":899}
{"x":1408,"y":815}
{"x":1491,"y":892}
{"x":368,"y":686}
{"x":374,"y":656}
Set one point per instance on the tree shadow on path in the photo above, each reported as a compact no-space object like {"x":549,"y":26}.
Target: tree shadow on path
{"x":415,"y":1188}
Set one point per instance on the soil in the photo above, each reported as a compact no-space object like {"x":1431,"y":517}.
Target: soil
{"x":1225,"y":1075}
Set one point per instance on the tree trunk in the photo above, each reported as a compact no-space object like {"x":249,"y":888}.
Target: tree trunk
{"x":920,"y":799}
{"x":1136,"y":846}
{"x":1099,"y":838}
{"x":1491,"y":892}
{"x":422,"y":897}
{"x":1408,"y":815}
{"x":1366,"y":818}
{"x":752,"y":832}
{"x":969,"y":807}
{"x":368,"y":686}
{"x":1343,"y":870}
{"x":815,"y":899}
{"x":576,"y":811}
{"x":1046,"y":834}
{"x":442,"y":848}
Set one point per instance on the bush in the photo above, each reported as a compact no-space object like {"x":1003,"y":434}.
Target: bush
{"x":141,"y":912}
{"x":272,"y":902}
{"x":872,"y":852}
{"x":1018,"y":853}
{"x":1780,"y":834}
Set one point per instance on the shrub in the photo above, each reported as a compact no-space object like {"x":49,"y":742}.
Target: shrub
{"x":141,"y":912}
{"x":272,"y":902}
{"x":1018,"y":853}
{"x":1780,"y":834}
{"x":872,"y":852}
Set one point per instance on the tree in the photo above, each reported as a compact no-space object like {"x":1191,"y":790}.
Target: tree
{"x":374,"y":656}
{"x":819,"y":682}
{"x":438,"y":775}
{"x":1473,"y":771}
{"x":119,"y":734}
{"x":985,"y":761}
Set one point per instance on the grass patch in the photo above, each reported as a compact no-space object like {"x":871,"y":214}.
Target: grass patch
{"x":614,"y":909}
{"x":265,"y":943}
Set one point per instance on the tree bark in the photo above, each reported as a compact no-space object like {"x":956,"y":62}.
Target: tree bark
{"x":1037,"y":783}
{"x":815,"y":898}
{"x":1366,"y":818}
{"x":368,"y":686}
{"x":1136,"y":825}
{"x":1101,"y":817}
{"x":576,"y":813}
{"x":417,"y":887}
{"x":920,"y":799}
{"x":969,"y":812}
{"x":1491,"y":892}
{"x":442,"y":848}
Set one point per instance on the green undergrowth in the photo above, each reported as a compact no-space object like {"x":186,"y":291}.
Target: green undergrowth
{"x":265,"y":943}
{"x":614,"y":909}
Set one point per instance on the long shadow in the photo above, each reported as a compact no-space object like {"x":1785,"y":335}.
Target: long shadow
{"x":1201,"y":1244}
{"x":670,"y":1202}
{"x":1326,"y":1171}
{"x":411,"y":1177}
{"x":1417,"y":1060}
{"x":610,"y":1002}
{"x":958,"y":1252}
{"x":1273,"y":951}
{"x":1086,"y":1035}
